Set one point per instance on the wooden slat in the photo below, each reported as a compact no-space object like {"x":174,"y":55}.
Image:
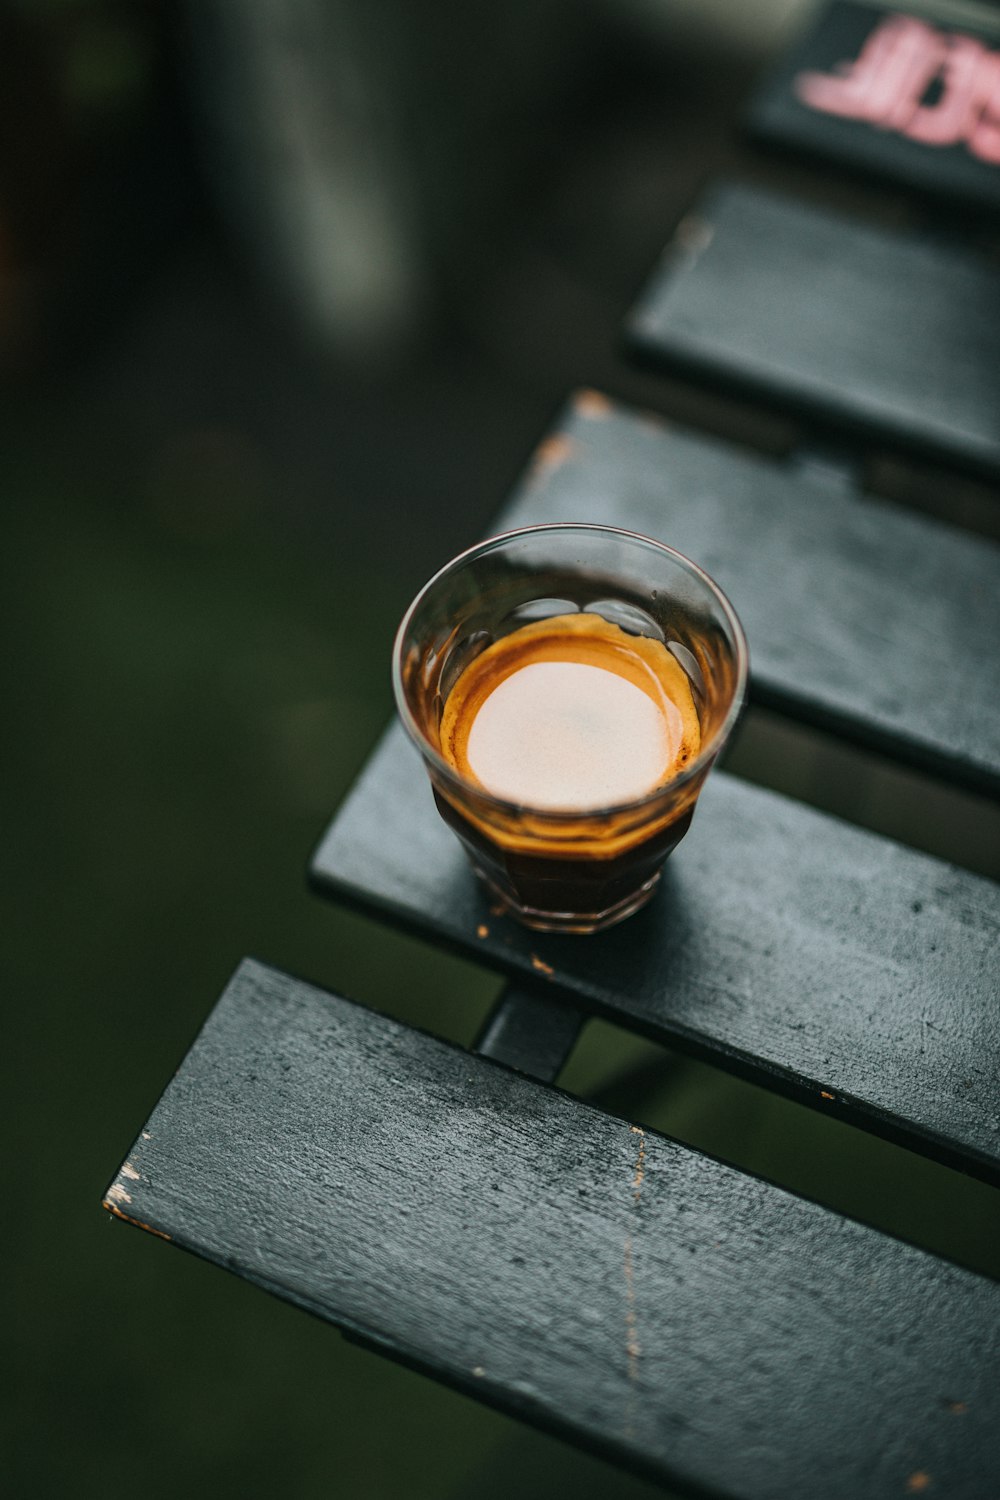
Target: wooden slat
{"x":877,"y":89}
{"x":532,"y":1032}
{"x":596,"y":1279}
{"x":862,"y":618}
{"x":784,"y":945}
{"x":873,"y":333}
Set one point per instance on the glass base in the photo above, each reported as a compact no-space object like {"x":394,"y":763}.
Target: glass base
{"x":573,"y":921}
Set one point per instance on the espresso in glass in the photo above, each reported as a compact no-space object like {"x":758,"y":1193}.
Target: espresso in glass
{"x":569,"y":688}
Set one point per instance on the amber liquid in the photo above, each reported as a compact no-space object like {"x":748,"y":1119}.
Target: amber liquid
{"x":570,"y":718}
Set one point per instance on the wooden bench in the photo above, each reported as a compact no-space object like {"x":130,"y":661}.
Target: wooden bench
{"x":579,"y":1270}
{"x":582,"y":1273}
{"x":872,"y":335}
{"x":734,"y":961}
{"x":858,"y":612}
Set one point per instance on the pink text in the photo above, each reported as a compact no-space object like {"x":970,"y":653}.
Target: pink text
{"x":889,"y":83}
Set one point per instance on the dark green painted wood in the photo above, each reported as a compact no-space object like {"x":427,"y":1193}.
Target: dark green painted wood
{"x":862,"y":618}
{"x":881,"y":334}
{"x":784,"y":945}
{"x":884,"y":146}
{"x":530,"y":1031}
{"x":603,"y":1282}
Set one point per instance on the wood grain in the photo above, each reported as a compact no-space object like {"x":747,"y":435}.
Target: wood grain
{"x":596,"y":1279}
{"x":791,"y":948}
{"x":862,"y":618}
{"x":871,"y":333}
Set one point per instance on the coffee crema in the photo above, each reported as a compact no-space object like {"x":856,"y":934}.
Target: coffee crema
{"x":571,"y":714}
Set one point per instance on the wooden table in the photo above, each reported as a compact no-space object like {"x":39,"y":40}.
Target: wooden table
{"x":453,"y":1209}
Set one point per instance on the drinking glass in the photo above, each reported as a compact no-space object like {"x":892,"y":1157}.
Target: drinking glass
{"x":568,"y":870}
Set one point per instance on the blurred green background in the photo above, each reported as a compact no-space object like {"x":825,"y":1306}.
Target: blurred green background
{"x":218,"y":497}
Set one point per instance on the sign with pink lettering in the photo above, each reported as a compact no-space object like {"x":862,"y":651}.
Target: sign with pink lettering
{"x":893,"y":93}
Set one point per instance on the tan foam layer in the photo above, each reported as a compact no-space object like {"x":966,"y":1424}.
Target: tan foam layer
{"x":571,"y":713}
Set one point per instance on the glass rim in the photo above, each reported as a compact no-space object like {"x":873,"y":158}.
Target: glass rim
{"x":465,"y":784}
